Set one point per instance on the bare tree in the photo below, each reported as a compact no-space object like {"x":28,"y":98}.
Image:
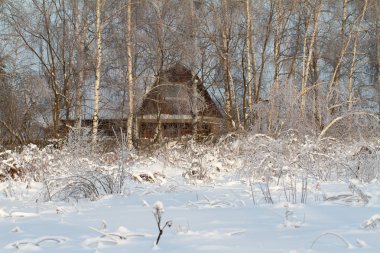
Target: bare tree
{"x":99,"y":5}
{"x":131,"y":88}
{"x":46,"y":35}
{"x":249,"y":59}
{"x":354,"y":55}
{"x":308,"y":48}
{"x":80,"y":35}
{"x":192,"y":30}
{"x":226,"y":64}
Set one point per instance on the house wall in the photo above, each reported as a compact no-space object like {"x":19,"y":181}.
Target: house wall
{"x":174,"y":126}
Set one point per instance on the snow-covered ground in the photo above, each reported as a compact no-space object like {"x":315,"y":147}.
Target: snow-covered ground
{"x":225,"y":213}
{"x":219,"y":217}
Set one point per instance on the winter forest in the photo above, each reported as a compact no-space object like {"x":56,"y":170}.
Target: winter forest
{"x":189,"y":125}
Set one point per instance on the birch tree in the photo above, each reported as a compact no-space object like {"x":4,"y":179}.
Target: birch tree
{"x":131,"y":87}
{"x":354,"y":56}
{"x":248,"y":51}
{"x":99,"y":5}
{"x":308,"y":53}
{"x":226,"y":65}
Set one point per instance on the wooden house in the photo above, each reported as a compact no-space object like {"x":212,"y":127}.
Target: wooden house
{"x":175,"y":105}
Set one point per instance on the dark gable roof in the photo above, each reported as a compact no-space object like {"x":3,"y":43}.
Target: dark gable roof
{"x":177,"y":74}
{"x":172,"y":92}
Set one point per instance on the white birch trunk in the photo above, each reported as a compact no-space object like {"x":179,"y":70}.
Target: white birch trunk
{"x":95,"y":122}
{"x":353,"y":63}
{"x":305,"y":78}
{"x":226,"y":71}
{"x":81,"y":33}
{"x":131,"y":103}
{"x":304,"y":55}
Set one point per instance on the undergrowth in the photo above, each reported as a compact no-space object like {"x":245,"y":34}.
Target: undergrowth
{"x":293,"y":163}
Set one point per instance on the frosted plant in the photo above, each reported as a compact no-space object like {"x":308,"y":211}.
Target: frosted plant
{"x":372,"y":223}
{"x":158,"y":210}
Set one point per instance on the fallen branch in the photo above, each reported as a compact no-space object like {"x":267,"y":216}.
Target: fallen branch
{"x":337,"y":119}
{"x":36,"y":242}
{"x":118,"y":236}
{"x":348,"y":245}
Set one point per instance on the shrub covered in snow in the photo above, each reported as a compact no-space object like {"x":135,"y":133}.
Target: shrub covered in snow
{"x":293,"y":163}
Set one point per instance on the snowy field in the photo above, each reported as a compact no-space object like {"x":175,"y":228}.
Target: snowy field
{"x":218,"y":202}
{"x":218,"y":218}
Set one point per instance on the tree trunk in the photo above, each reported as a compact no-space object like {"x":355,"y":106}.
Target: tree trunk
{"x":353,"y":63}
{"x":257,"y":89}
{"x":131,"y":89}
{"x":226,"y":67}
{"x":66,"y":62}
{"x":306,"y":67}
{"x":97,"y":72}
{"x":194,"y":84}
{"x":273,"y":113}
{"x":80,"y":65}
{"x":248,"y":58}
{"x":52,"y":72}
{"x":304,"y":57}
{"x":316,"y":89}
{"x":333,"y":93}
{"x":233,"y":98}
{"x":255,"y":77}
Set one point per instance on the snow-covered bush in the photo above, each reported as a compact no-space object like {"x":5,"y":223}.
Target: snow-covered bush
{"x":31,"y":162}
{"x":291,"y":163}
{"x":77,"y":169}
{"x":198,"y":161}
{"x":86,"y":172}
{"x":90,"y":184}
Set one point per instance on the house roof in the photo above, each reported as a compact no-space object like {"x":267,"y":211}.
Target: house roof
{"x":172,"y":94}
